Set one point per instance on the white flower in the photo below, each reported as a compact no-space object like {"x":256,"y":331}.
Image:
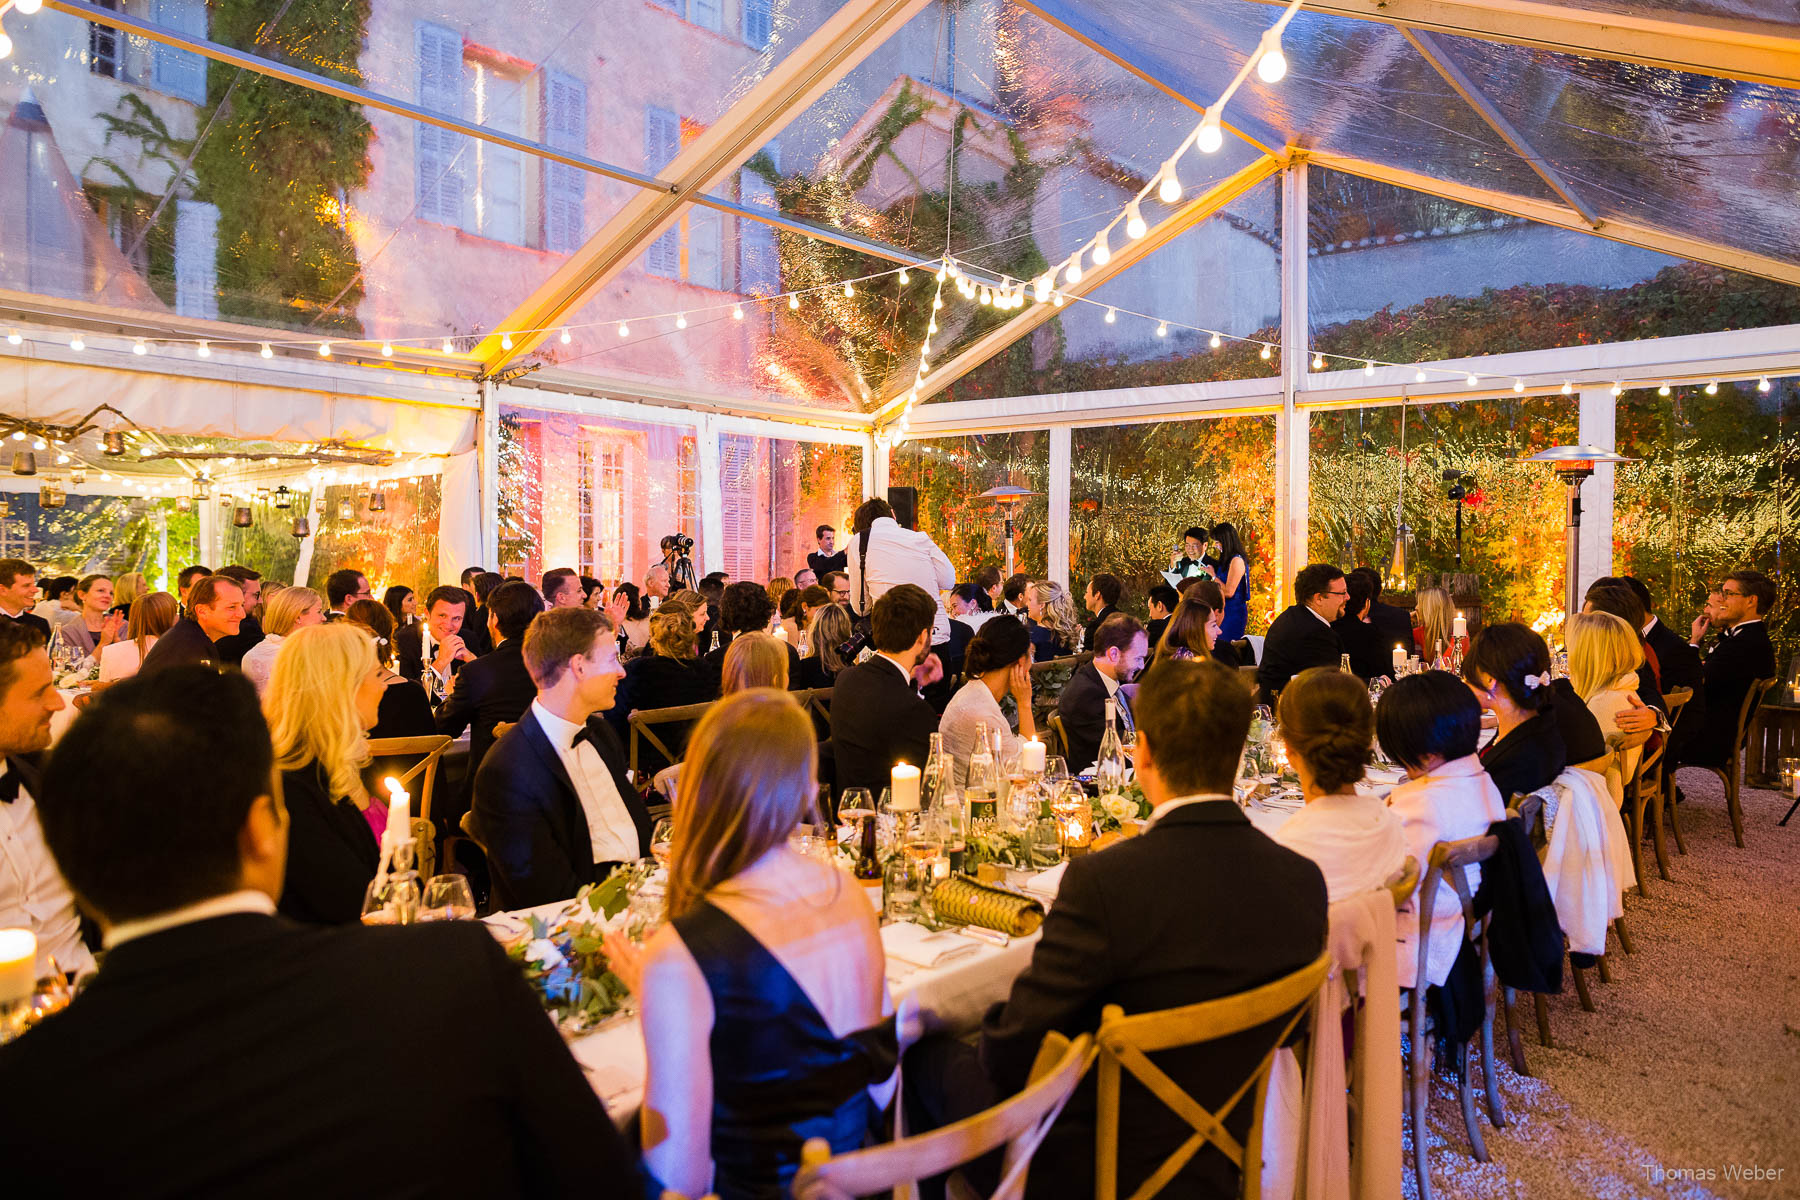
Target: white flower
{"x":1119,"y":808}
{"x":544,"y":953}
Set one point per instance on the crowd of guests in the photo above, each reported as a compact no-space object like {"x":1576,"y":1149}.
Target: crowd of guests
{"x":765,"y":1009}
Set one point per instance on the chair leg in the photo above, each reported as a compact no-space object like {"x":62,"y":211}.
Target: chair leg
{"x":1543,"y":1017}
{"x":1581,"y":988}
{"x":1490,"y":1075}
{"x":1618,"y":926}
{"x":1675,"y":819}
{"x":1605,"y":971}
{"x":1515,"y":1044}
{"x":1657,"y":836}
{"x":1465,"y":1090}
{"x":1419,"y":1062}
{"x":1634,"y":829}
{"x":1732,"y":783}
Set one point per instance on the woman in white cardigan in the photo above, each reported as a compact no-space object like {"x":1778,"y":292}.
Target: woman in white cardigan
{"x":1430,"y":724}
{"x":1605,"y":653}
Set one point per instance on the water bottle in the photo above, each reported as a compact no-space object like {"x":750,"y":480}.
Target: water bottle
{"x":1109,"y":766}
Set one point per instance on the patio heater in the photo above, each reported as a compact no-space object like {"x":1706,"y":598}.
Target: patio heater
{"x":1573,"y":465}
{"x":1009,"y":497}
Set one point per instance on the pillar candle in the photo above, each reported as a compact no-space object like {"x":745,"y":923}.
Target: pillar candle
{"x":1459,"y":628}
{"x":1399,"y":659}
{"x":1031,"y":757}
{"x":399,"y":824}
{"x":18,"y":964}
{"x":903,"y":785}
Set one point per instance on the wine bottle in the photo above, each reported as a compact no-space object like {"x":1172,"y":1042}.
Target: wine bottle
{"x":868,"y":862}
{"x":937,"y":779}
{"x":1109,"y":765}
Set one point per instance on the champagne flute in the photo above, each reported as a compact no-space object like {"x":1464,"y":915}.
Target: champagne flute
{"x":660,"y":838}
{"x":447,"y":898}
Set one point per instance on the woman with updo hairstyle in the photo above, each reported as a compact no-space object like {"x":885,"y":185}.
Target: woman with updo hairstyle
{"x":1328,"y":726}
{"x":998,"y":664}
{"x":666,"y":675}
{"x":1508,"y":668}
{"x":405,"y":708}
{"x":754,"y":660}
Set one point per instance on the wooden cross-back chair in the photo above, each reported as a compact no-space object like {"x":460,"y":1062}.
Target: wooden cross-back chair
{"x":644,"y":722}
{"x":1058,"y":741}
{"x":1125,"y":1044}
{"x":1732,"y":773}
{"x":1445,"y":867}
{"x":1018,"y":1123}
{"x":1644,"y":792}
{"x":1662,"y":793}
{"x":418,"y":782}
{"x":1529,"y":809}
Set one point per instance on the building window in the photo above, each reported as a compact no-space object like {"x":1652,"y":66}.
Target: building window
{"x":737,"y":491}
{"x":104,"y":46}
{"x":439,"y":165}
{"x":709,"y":14}
{"x":565,"y":187}
{"x":687,"y":498}
{"x":662,"y":141}
{"x":196,"y":260}
{"x":498,"y":210}
{"x":600,"y":506}
{"x":759,"y":258}
{"x":759,"y":22}
{"x":180,"y":73}
{"x":706,"y":237}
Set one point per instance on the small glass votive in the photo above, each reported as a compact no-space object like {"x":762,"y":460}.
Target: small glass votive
{"x":1790,"y":776}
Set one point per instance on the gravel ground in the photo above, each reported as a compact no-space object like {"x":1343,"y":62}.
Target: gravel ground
{"x":1688,"y":1077}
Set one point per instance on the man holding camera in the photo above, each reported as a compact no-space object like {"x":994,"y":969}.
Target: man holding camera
{"x":676,"y":548}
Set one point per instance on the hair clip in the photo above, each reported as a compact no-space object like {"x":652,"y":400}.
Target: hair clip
{"x":1537,"y":681}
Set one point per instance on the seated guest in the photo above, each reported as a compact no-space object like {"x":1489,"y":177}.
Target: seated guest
{"x":94,"y":627}
{"x":437,"y":640}
{"x":128,"y":589}
{"x":405,"y":709}
{"x":497,"y":686}
{"x":825,"y":639}
{"x":1201,"y":905}
{"x":54,"y":606}
{"x":634,"y":624}
{"x":966,"y":616}
{"x":553,"y":805}
{"x":1012,"y":594}
{"x":1162,"y":600}
{"x":766,"y":956}
{"x":151,"y":617}
{"x":1508,"y":666}
{"x":233,"y":647}
{"x":804,"y":578}
{"x":998,"y":665}
{"x":744,"y":608}
{"x":342,"y":589}
{"x":1605,"y":654}
{"x":1741,"y":655}
{"x":474,"y":631}
{"x":1621,"y":602}
{"x":838,"y":584}
{"x":1357,"y":634}
{"x":1055,"y":629}
{"x":1302,"y":636}
{"x":754,"y":660}
{"x":1120,"y":649}
{"x":712,"y":592}
{"x":812,"y":600}
{"x":288,"y":1025}
{"x":1102,"y":599}
{"x":1207,"y":592}
{"x":1392,"y":625}
{"x":667,"y":677}
{"x":1190,"y":633}
{"x":33,"y":894}
{"x":402,"y":604}
{"x":289,"y":609}
{"x":1328,"y":726}
{"x":1435,"y":613}
{"x":185,"y":581}
{"x":323,"y":697}
{"x":1680,"y":665}
{"x":878,"y":717}
{"x":215,"y":610}
{"x":1430,"y":724}
{"x":18,"y":588}
{"x":793,"y":619}
{"x":562,"y":588}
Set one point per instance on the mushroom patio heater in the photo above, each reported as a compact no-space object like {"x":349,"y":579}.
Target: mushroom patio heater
{"x":1573,"y":464}
{"x":1009,"y":497}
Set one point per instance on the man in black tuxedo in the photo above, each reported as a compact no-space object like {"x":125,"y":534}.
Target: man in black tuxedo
{"x":744,"y":607}
{"x":1201,"y":905}
{"x":232,"y":648}
{"x":1742,"y":655}
{"x":1301,"y":636}
{"x":184,"y":583}
{"x":215,"y":1046}
{"x":438,"y":638}
{"x":1102,"y":599}
{"x":215,"y":611}
{"x":824,"y":560}
{"x":1680,"y":664}
{"x":553,"y":806}
{"x":496,"y":687}
{"x":1120,"y":648}
{"x":18,"y":592}
{"x":878,"y":717}
{"x":1393,"y":626}
{"x":1162,"y":600}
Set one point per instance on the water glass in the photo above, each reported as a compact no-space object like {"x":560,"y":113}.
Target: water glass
{"x":661,"y":835}
{"x":447,"y":898}
{"x":903,"y":886}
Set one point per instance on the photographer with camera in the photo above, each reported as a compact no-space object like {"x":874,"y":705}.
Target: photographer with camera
{"x":883,"y":555}
{"x":676,"y":549}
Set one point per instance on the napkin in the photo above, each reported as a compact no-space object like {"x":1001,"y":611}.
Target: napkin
{"x":917,"y":946}
{"x":1045,"y":884}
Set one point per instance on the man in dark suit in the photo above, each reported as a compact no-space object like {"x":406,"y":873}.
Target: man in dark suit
{"x":496,"y":687}
{"x":1742,"y":655}
{"x":184,"y":583}
{"x":18,"y":591}
{"x":232,"y":648}
{"x":1393,"y":626}
{"x":342,"y":589}
{"x":474,"y":632}
{"x":1162,"y":600}
{"x":1120,"y":648}
{"x":287,"y":1072}
{"x":438,"y":638}
{"x":1102,"y":599}
{"x":878,"y":717}
{"x":824,"y":561}
{"x":215,"y":611}
{"x":1680,"y":663}
{"x":1301,"y":636}
{"x":553,"y":806}
{"x":745,"y":607}
{"x":1201,"y":905}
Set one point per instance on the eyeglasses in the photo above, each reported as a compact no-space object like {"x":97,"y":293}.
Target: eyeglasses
{"x":1338,"y":595}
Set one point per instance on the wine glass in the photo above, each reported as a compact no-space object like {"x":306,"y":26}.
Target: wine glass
{"x":660,"y":837}
{"x":447,"y":898}
{"x":1056,"y":769}
{"x":855,"y":804}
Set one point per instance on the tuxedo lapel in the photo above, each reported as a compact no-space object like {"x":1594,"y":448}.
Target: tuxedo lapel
{"x":565,"y":808}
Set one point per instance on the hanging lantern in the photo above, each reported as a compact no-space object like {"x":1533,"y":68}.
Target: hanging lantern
{"x":184,"y":504}
{"x":112,"y":443}
{"x":78,"y":475}
{"x":24,"y":463}
{"x":51,"y":495}
{"x":283,"y":497}
{"x":262,"y":493}
{"x":346,"y":511}
{"x":302,"y":526}
{"x":377,"y":501}
{"x":240,"y":516}
{"x":201,"y":490}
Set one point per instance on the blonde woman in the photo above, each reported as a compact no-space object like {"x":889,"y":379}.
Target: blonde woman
{"x":1433,"y":618}
{"x":289,"y":609}
{"x":829,"y":633}
{"x":323,"y":696}
{"x":151,"y":617}
{"x":669,"y":676}
{"x":764,"y":998}
{"x":1605,"y":653}
{"x":128,"y":589}
{"x":754,"y":660}
{"x":1055,"y":626}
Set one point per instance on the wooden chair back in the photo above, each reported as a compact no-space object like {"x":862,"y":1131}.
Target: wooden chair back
{"x":1404,"y":883}
{"x":643,"y":724}
{"x":421,"y":777}
{"x":1067,"y":662}
{"x":1059,"y":738}
{"x":1018,"y":1123}
{"x":1126,"y":1042}
{"x":501,"y":728}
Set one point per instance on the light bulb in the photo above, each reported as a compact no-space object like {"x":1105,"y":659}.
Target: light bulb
{"x":1369,"y":367}
{"x":1518,"y":385}
{"x":1663,"y":390}
{"x":937,"y":302}
{"x":737,"y":312}
{"x":1618,"y":389}
{"x":324,"y":349}
{"x":940,"y":275}
{"x":449,"y":347}
{"x":1216,"y":342}
{"x":1318,"y":361}
{"x":76,"y":343}
{"x":1271,"y":64}
{"x":18,"y":435}
{"x":1712,"y":389}
{"x":793,"y":302}
{"x":506,"y":342}
{"x":1567,"y":388}
{"x":14,"y":338}
{"x":1057,"y":300}
{"x":849,"y":289}
{"x":387,"y":349}
{"x":5,"y":45}
{"x":1040,"y":289}
{"x":27,"y":7}
{"x":1072,"y":276}
{"x":1134,"y":222}
{"x":61,"y":459}
{"x":955,"y":271}
{"x":1102,"y":251}
{"x":40,"y":444}
{"x":987,"y":296}
{"x":1210,"y":137}
{"x":1169,"y":190}
{"x":140,"y":347}
{"x":267,"y":351}
{"x":1762,"y":385}
{"x":564,"y":337}
{"x":1419,"y":375}
{"x":1112,"y":315}
{"x":932,"y":328}
{"x":204,"y":350}
{"x":1162,"y":329}
{"x":924,"y":348}
{"x":1267,"y":350}
{"x":905,"y":276}
{"x":681,"y":320}
{"x":624,"y":329}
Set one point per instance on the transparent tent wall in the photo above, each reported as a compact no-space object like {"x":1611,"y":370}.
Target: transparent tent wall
{"x":1134,"y":489}
{"x":396,"y":545}
{"x":774,"y":492}
{"x":96,"y":534}
{"x":951,"y":473}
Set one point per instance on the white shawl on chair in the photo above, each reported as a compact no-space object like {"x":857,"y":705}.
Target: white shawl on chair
{"x":1587,"y":863}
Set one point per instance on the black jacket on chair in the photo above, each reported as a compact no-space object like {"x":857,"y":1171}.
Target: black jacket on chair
{"x":332,"y":851}
{"x":877,"y":719}
{"x":1681,"y":668}
{"x":493,"y":689}
{"x":1082,"y":707}
{"x":1742,"y":656}
{"x":531,"y":823}
{"x":245,"y":1055}
{"x":1202,"y":905}
{"x":1298,"y":639}
{"x":1524,"y":938}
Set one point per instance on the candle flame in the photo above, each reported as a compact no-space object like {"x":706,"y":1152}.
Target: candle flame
{"x":393,"y":786}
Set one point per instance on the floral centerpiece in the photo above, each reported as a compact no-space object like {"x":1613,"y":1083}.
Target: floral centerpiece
{"x":564,"y":957}
{"x":1111,"y":812}
{"x":1006,"y":848}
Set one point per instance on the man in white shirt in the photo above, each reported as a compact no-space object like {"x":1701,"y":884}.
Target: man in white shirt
{"x":553,"y":803}
{"x":33,"y":894}
{"x":897,"y":556}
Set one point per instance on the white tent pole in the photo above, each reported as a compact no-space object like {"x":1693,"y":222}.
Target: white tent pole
{"x":1292,"y":426}
{"x":487,"y":437}
{"x":1061,"y":439}
{"x":1598,"y":409}
{"x":712,"y":496}
{"x":884,"y":461}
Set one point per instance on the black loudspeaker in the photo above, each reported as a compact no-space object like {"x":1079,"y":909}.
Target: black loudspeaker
{"x":905,"y":503}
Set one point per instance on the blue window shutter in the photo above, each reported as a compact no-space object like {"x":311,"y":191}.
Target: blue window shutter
{"x":565,"y":187}
{"x":180,"y":73}
{"x":441,"y":167}
{"x":662,"y":142}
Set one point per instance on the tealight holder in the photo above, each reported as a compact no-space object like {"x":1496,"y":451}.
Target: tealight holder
{"x":1790,"y":776}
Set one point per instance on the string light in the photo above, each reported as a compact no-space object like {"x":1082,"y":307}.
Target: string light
{"x":1267,"y":351}
{"x":1762,"y":385}
{"x":267,"y":351}
{"x":14,"y":338}
{"x":448,"y":347}
{"x":324,"y":349}
{"x":1472,"y":381}
{"x":1102,"y":250}
{"x":1210,"y":137}
{"x":27,"y":7}
{"x":5,"y":45}
{"x":1712,"y":389}
{"x":1169,"y":190}
{"x":794,"y":302}
{"x":1518,"y":385}
{"x":849,"y":288}
{"x":506,"y":342}
{"x":1072,"y":276}
{"x":387,"y":349}
{"x":987,"y":297}
{"x":624,"y":329}
{"x":737,"y":312}
{"x":1567,"y":388}
{"x":1318,"y":363}
{"x":905,"y":277}
{"x":1663,"y":390}
{"x":1369,"y":367}
{"x":76,"y":343}
{"x":1271,"y":63}
{"x":1618,"y":389}
{"x":1134,"y":222}
{"x":1419,"y":375}
{"x":1216,"y":341}
{"x":1112,"y":315}
{"x":564,"y":338}
{"x":204,"y":350}
{"x":1162,"y":329}
{"x":681,"y":320}
{"x":140,"y":347}
{"x":1057,"y":300}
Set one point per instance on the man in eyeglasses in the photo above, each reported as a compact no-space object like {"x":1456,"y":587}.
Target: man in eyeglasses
{"x":1742,"y":655}
{"x":1302,"y":636}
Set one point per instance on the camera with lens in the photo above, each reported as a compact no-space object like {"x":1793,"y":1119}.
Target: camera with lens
{"x":681,"y":543}
{"x":1460,"y":484}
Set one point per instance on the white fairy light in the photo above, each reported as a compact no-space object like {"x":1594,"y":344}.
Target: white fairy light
{"x":1271,"y":63}
{"x":1568,"y":388}
{"x":267,"y":350}
{"x":14,"y":338}
{"x":1472,"y":381}
{"x":564,"y":337}
{"x":1169,"y":190}
{"x":1663,"y":390}
{"x":1057,"y":300}
{"x":449,"y":346}
{"x":203,"y":350}
{"x":1712,"y":389}
{"x":937,"y":302}
{"x":1318,"y":363}
{"x":27,"y":7}
{"x":1762,"y":385}
{"x":1618,"y":389}
{"x":506,"y":342}
{"x":793,"y":301}
{"x":905,"y":277}
{"x":1102,"y":250}
{"x":140,"y":347}
{"x":76,"y":343}
{"x":1072,"y":275}
{"x":1135,"y":227}
{"x":1369,"y":367}
{"x":324,"y":349}
{"x":737,"y":312}
{"x":1419,"y":375}
{"x":987,"y":296}
{"x":1518,"y":385}
{"x":1040,"y":288}
{"x":1162,"y":329}
{"x":1112,"y":315}
{"x":849,"y":288}
{"x":1268,"y":351}
{"x":387,"y":349}
{"x":1209,"y":137}
{"x":681,"y":320}
{"x":624,"y":329}
{"x":1216,"y":341}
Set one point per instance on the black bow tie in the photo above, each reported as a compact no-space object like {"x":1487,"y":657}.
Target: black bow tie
{"x":9,"y":785}
{"x":585,"y":734}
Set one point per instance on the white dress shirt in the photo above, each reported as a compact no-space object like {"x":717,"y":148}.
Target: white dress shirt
{"x":247,"y":901}
{"x":33,"y":893}
{"x":898,"y":556}
{"x":611,"y":832}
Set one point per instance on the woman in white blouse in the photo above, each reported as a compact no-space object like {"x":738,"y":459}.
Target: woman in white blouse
{"x":1605,"y":653}
{"x":997,"y":662}
{"x":1328,"y":725}
{"x":1430,"y":724}
{"x":289,"y":609}
{"x":151,"y":617}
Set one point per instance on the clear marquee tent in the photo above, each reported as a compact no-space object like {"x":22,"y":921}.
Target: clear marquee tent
{"x":579,"y":276}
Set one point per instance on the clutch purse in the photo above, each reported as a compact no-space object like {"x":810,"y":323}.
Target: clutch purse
{"x":962,"y":901}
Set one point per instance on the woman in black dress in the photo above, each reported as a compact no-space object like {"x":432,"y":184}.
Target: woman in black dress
{"x":667,"y":675}
{"x":1508,"y":667}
